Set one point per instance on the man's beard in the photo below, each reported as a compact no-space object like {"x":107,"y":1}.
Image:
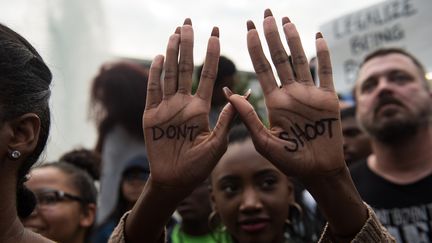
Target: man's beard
{"x":393,"y":133}
{"x":398,"y":131}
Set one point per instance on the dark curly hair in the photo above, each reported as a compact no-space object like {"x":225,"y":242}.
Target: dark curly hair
{"x":118,"y":96}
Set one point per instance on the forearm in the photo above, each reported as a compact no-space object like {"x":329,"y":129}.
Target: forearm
{"x":340,"y":203}
{"x":153,"y":210}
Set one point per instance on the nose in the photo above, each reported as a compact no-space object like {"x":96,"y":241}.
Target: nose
{"x":251,"y":201}
{"x":384,"y":87}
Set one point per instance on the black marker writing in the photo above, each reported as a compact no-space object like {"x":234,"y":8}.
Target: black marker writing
{"x":309,"y":132}
{"x":174,"y":132}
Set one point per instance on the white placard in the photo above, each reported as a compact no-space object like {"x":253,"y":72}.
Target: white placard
{"x":397,"y":23}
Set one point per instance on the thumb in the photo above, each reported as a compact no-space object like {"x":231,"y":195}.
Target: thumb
{"x":247,"y":114}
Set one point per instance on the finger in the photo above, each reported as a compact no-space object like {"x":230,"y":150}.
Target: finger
{"x":249,"y":117}
{"x":222,"y":127}
{"x":277,"y":51}
{"x":154,"y":91}
{"x":209,"y":71}
{"x":261,"y":65}
{"x":171,"y":65}
{"x":227,"y":116}
{"x":300,"y":62}
{"x":325,"y":72}
{"x":186,"y":58}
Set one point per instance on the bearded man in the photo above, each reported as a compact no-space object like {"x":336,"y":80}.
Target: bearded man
{"x":394,"y":107}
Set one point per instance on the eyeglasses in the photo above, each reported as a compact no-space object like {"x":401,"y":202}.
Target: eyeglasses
{"x":136,"y":175}
{"x":47,"y":197}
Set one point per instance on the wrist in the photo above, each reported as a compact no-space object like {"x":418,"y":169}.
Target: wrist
{"x":339,"y":201}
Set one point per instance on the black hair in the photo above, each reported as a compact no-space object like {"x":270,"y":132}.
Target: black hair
{"x":226,"y":67}
{"x":85,"y":159}
{"x":118,"y":96}
{"x":24,"y":88}
{"x":79,"y":178}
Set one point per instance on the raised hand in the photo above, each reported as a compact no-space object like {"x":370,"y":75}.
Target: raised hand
{"x":182,"y":150}
{"x":304,"y":138}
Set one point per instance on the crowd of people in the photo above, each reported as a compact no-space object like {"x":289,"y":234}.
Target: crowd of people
{"x":172,"y":165}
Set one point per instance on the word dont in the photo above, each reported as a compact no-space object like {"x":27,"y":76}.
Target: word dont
{"x":174,"y":132}
{"x":309,"y":132}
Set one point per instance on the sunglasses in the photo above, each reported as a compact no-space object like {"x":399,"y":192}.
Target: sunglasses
{"x":47,"y":197}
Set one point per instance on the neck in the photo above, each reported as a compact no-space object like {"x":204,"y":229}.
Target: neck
{"x":405,"y":162}
{"x":195,"y":228}
{"x":11,"y":228}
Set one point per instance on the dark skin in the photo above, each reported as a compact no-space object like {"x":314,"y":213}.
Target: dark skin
{"x":179,"y":164}
{"x":19,"y":134}
{"x":319,"y":166}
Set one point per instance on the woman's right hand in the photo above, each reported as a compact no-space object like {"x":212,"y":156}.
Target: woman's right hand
{"x":181,"y":148}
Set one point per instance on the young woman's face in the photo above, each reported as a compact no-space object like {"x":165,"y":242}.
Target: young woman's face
{"x":250,"y":195}
{"x":59,"y":215}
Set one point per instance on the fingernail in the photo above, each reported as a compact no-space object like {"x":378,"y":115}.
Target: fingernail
{"x":187,"y":21}
{"x":250,"y":25}
{"x":267,"y":13}
{"x":285,"y":20}
{"x":318,"y":35}
{"x":178,"y":29}
{"x":215,"y":32}
{"x":247,"y":94}
{"x":227,"y":91}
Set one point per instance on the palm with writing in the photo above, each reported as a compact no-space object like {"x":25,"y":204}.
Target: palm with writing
{"x":181,"y":148}
{"x":304,"y":138}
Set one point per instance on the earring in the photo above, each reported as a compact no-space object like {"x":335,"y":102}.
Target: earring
{"x":214,"y":223}
{"x":15,"y":154}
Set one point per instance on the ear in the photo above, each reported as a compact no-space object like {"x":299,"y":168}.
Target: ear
{"x":24,"y":133}
{"x":88,"y":215}
{"x":212,"y":201}
{"x":290,"y":190}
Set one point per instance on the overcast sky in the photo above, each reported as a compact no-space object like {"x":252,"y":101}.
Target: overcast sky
{"x":140,"y":28}
{"x":76,"y":36}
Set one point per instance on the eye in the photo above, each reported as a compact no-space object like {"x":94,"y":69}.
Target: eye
{"x":268,"y":182}
{"x":368,"y":85}
{"x":399,"y":77}
{"x":48,"y":198}
{"x":230,"y":188}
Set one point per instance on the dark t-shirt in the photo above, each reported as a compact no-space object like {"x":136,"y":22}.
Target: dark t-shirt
{"x":406,"y":210}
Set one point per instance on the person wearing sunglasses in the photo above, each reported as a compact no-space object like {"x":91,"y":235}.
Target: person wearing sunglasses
{"x":66,"y":203}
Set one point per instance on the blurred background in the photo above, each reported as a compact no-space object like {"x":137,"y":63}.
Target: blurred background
{"x":77,"y":36}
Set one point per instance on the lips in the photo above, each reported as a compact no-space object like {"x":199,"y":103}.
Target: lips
{"x":254,"y":225}
{"x":387,"y":104}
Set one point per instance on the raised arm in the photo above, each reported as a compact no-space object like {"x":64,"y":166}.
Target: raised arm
{"x":304,"y":138}
{"x":181,"y":149}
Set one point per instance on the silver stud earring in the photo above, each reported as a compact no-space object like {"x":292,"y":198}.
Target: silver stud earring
{"x":15,"y":154}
